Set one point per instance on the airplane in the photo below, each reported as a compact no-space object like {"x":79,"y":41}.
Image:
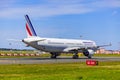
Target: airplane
{"x":56,"y":46}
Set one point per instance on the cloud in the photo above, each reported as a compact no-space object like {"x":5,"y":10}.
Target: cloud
{"x":45,"y":10}
{"x":6,"y":3}
{"x":56,"y":7}
{"x":107,"y":4}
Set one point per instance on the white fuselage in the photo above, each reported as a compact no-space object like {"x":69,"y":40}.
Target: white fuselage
{"x":58,"y":45}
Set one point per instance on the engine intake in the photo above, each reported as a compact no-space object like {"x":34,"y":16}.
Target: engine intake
{"x":88,"y":52}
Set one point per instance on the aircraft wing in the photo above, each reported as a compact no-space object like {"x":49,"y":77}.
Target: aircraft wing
{"x":71,"y":48}
{"x":104,"y":45}
{"x":81,"y":48}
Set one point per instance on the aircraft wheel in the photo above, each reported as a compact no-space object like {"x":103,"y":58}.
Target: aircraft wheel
{"x":53,"y":55}
{"x":75,"y":56}
{"x":89,"y":57}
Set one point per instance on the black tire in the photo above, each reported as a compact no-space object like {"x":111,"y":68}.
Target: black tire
{"x":53,"y":56}
{"x":89,"y":57}
{"x":75,"y":56}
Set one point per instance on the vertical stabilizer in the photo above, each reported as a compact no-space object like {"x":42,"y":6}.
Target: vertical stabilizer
{"x":29,"y":27}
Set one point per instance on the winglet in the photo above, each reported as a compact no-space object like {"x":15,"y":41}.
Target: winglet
{"x":29,"y":27}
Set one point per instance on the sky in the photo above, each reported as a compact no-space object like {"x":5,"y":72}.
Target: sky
{"x":97,"y":20}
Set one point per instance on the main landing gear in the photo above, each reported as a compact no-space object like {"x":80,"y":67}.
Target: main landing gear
{"x":89,"y":57}
{"x":54,"y":55}
{"x":75,"y":56}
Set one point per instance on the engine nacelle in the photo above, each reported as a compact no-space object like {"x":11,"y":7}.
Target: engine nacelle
{"x":88,"y":52}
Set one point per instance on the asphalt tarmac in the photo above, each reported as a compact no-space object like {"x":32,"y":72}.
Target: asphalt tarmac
{"x":46,"y":60}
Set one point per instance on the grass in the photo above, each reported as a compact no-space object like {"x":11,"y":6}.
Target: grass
{"x":61,"y":71}
{"x":107,"y":55}
{"x":48,"y":55}
{"x":16,"y":52}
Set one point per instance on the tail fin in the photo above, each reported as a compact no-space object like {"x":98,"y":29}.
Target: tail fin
{"x":29,"y":27}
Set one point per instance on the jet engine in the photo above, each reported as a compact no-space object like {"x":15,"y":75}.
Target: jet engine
{"x":88,"y":52}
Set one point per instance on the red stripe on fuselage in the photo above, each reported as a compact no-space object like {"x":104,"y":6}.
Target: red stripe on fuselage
{"x":28,"y":30}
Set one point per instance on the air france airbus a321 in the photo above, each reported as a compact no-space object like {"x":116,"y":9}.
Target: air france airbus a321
{"x":56,"y":46}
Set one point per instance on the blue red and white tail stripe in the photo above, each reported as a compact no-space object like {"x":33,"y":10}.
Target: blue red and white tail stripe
{"x":29,"y":27}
